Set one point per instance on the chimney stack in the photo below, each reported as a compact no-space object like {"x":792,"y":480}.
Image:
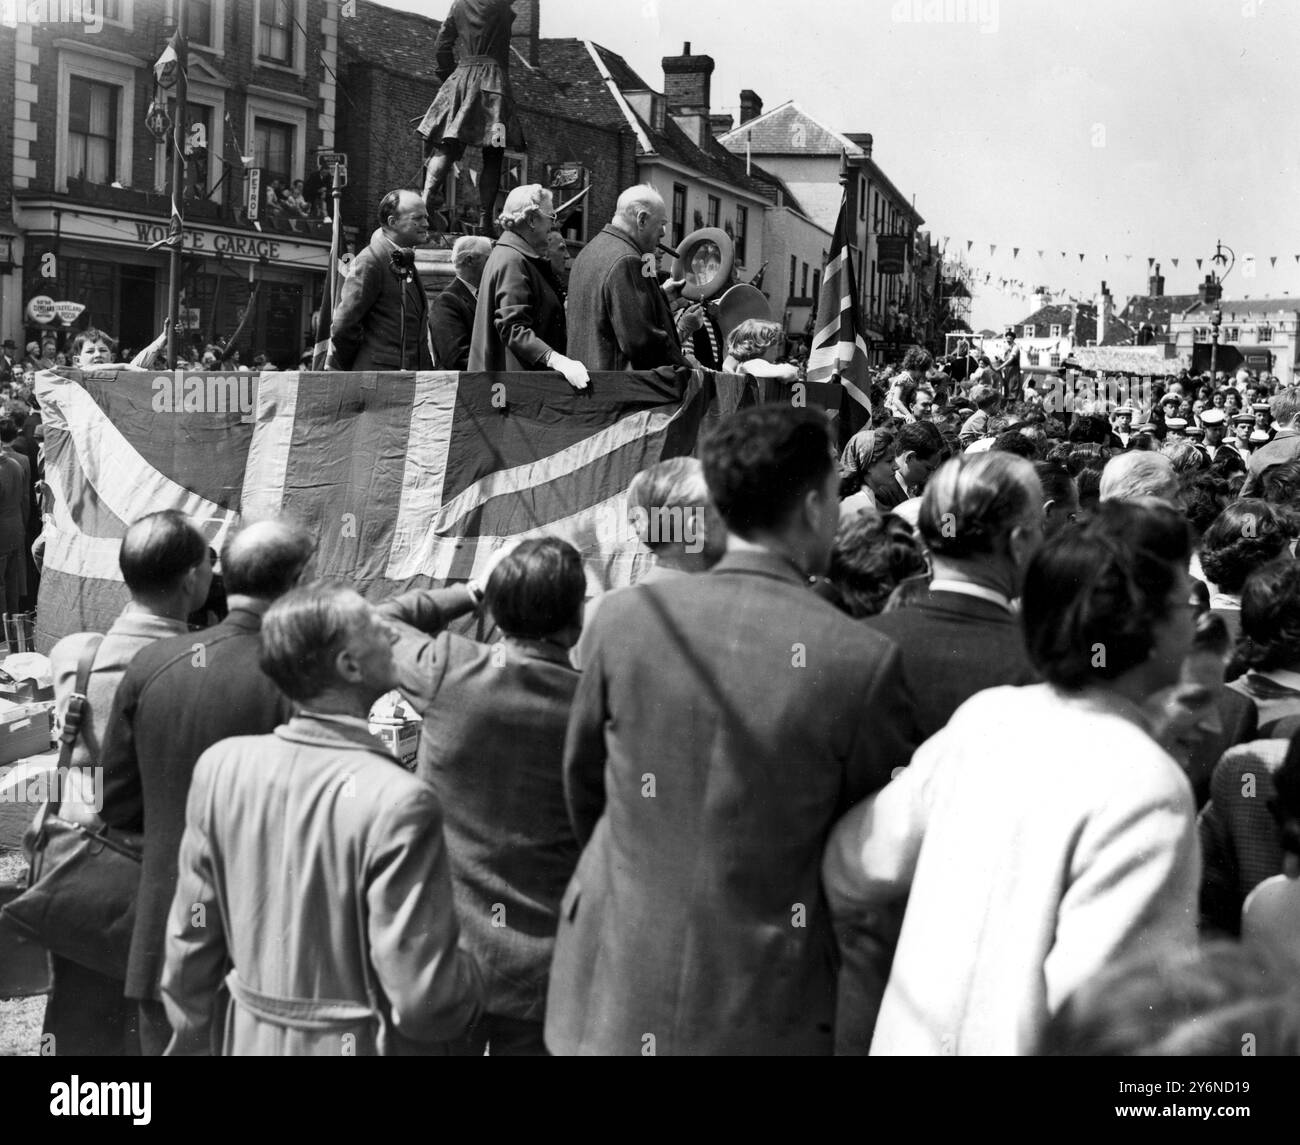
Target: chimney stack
{"x":686,"y":82}
{"x":751,"y":107}
{"x":526,"y":32}
{"x":1210,"y":290}
{"x":1105,"y":312}
{"x":1156,"y":284}
{"x":721,"y":124}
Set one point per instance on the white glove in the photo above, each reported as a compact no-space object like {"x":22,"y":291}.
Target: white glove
{"x":575,"y":373}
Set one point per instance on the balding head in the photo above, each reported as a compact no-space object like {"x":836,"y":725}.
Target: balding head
{"x":404,"y":218}
{"x":469,"y":256}
{"x":1139,"y":475}
{"x":266,"y":559}
{"x":641,"y":215}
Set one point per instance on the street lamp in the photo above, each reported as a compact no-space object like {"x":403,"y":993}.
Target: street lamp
{"x":1216,"y":320}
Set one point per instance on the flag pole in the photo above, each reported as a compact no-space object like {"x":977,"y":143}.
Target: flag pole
{"x":177,"y":228}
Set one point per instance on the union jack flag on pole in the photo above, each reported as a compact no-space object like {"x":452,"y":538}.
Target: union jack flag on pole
{"x":838,"y":351}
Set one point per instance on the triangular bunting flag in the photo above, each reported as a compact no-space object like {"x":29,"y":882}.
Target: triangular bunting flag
{"x":1015,"y":252}
{"x":1080,"y":256}
{"x":1175,"y":262}
{"x":1040,"y":254}
{"x":1062,"y":254}
{"x":969,"y":243}
{"x":993,"y":249}
{"x":1199,"y":261}
{"x":1272,"y":260}
{"x":1150,"y":263}
{"x":1128,"y":258}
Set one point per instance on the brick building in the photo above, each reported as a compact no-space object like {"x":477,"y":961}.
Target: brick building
{"x":91,"y":183}
{"x":387,"y":81}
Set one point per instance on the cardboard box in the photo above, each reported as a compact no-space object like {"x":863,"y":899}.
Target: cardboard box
{"x":25,"y":731}
{"x":401,"y":737}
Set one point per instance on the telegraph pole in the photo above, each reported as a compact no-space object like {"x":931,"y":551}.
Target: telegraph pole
{"x":178,"y":186}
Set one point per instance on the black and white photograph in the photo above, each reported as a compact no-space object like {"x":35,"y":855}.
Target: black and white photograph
{"x":650,"y":528}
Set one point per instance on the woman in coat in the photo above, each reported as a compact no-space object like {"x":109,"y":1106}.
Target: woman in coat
{"x":519,"y":321}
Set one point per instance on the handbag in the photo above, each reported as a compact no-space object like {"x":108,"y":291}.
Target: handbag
{"x":82,"y":885}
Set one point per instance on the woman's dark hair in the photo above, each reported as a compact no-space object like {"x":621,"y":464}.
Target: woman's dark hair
{"x":871,"y":555}
{"x":1091,"y":428}
{"x":1246,"y":535}
{"x":1013,"y":441}
{"x":1056,"y":481}
{"x":538,"y":589}
{"x":1204,"y":498}
{"x":1270,"y":618}
{"x":1094,"y":593}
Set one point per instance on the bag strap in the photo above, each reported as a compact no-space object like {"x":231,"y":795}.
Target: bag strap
{"x":76,"y":709}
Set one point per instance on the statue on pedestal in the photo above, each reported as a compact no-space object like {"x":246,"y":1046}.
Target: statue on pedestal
{"x":474,"y":106}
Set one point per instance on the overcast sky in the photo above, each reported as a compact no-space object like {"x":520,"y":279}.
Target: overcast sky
{"x":1108,"y":127}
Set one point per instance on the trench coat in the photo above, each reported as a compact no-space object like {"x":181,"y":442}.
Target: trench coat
{"x":314,"y":884}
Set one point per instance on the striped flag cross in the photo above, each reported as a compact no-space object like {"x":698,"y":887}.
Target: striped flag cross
{"x":838,"y":349}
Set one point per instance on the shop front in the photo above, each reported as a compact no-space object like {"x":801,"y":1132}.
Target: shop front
{"x":85,"y":265}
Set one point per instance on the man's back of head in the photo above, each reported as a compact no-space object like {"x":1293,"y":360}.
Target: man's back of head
{"x":164,"y":555}
{"x":974,"y":505}
{"x":639,"y":214}
{"x":1285,"y":407}
{"x":326,"y":640}
{"x":766,"y":468}
{"x":1137,"y":475}
{"x":469,"y":255}
{"x":266,"y":559}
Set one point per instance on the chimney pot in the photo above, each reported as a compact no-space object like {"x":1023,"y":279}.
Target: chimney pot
{"x":751,"y":107}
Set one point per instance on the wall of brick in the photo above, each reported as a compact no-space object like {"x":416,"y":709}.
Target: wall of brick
{"x":8,"y":40}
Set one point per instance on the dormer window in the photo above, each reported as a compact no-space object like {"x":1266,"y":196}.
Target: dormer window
{"x":1029,"y":331}
{"x":1054,"y":330}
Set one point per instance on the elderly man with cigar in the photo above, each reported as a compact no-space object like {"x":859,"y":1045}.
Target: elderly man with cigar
{"x":620,"y":316}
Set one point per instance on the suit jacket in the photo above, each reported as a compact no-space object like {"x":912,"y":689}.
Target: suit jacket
{"x":1241,"y":845}
{"x":381,"y":321}
{"x":1025,"y":868}
{"x":15,"y":502}
{"x":723,"y":722}
{"x":132,"y":631}
{"x":177,"y":698}
{"x":953,"y":646}
{"x":619,"y":317}
{"x":519,"y":317}
{"x":492,"y":746}
{"x":321,"y":873}
{"x":888,"y":494}
{"x":1283,"y":448}
{"x":451,"y":319}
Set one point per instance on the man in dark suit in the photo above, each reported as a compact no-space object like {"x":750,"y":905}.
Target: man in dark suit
{"x":15,"y":511}
{"x":179,"y":697}
{"x":452,"y":314}
{"x":620,"y":315}
{"x":1284,"y":446}
{"x":382,"y":319}
{"x":981,"y":519}
{"x":492,"y":746}
{"x":920,"y":452}
{"x":721,"y":724}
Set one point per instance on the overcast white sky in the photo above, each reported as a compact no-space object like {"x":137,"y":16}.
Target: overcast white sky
{"x":1109,"y":127}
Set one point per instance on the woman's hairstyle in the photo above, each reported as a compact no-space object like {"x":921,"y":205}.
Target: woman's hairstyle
{"x":1170,"y":1001}
{"x":752,"y":338}
{"x":1094,"y":593}
{"x":917,"y":359}
{"x":871,"y":556}
{"x":522,"y":202}
{"x":538,"y":589}
{"x":668,"y":489}
{"x":1184,"y":456}
{"x":1270,"y":618}
{"x":1280,"y":484}
{"x":89,"y":337}
{"x":1204,"y":499}
{"x":1246,"y":535}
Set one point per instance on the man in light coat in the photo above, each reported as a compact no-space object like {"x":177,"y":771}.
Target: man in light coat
{"x":315,"y":866}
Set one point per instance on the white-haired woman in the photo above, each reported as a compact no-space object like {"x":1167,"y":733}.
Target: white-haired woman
{"x":519,"y":321}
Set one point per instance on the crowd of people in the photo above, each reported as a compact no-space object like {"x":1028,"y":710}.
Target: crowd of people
{"x":905,"y":748}
{"x":975,"y":736}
